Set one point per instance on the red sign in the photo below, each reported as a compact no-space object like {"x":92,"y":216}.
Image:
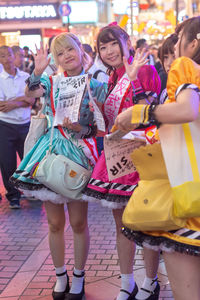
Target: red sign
{"x":49,"y":32}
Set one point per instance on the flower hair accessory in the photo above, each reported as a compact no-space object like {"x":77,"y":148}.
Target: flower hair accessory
{"x":109,"y":25}
{"x":198,"y":36}
{"x":113,"y":24}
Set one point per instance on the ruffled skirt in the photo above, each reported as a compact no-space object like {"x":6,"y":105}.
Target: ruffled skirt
{"x":185,"y":240}
{"x":23,"y":177}
{"x":113,"y":194}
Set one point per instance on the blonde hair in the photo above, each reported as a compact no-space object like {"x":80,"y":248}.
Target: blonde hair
{"x":66,"y":40}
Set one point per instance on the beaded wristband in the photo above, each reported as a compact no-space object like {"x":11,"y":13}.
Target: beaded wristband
{"x":33,"y":82}
{"x":151,"y":115}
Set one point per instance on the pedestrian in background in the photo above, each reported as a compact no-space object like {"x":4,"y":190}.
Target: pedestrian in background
{"x":97,"y":68}
{"x":19,"y":57}
{"x":142,"y":44}
{"x":14,"y":120}
{"x":167,"y":56}
{"x":29,"y":64}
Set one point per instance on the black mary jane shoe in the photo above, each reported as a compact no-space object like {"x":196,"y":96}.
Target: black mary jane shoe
{"x":153,"y":295}
{"x":71,"y":296}
{"x":132,"y":294}
{"x":61,"y":295}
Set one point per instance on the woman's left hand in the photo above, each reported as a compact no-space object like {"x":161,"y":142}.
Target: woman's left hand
{"x":140,"y":59}
{"x":123,"y":121}
{"x":69,"y":125}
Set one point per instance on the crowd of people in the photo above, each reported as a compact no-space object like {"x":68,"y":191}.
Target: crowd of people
{"x":134,"y":88}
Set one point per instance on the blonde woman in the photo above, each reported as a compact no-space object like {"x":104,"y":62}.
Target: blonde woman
{"x":79,"y":146}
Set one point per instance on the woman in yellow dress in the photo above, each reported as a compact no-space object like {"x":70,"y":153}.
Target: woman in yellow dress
{"x":181,"y":247}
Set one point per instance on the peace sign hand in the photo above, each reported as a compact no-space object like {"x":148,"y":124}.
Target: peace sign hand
{"x":41,"y":59}
{"x":140,"y":59}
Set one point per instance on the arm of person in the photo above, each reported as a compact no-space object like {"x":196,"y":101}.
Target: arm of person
{"x":81,"y":132}
{"x":10,"y":104}
{"x":34,"y":89}
{"x":185,"y":109}
{"x":183,"y":91}
{"x":36,"y":93}
{"x":24,"y":101}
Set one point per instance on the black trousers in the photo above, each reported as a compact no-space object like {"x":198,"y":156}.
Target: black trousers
{"x":12,"y":137}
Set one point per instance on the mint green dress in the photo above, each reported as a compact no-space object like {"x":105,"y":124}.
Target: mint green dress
{"x":23,"y":177}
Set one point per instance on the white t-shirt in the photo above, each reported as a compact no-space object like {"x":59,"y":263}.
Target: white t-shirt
{"x":13,"y":87}
{"x":98,"y":65}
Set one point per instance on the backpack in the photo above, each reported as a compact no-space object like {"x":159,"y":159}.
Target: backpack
{"x":96,"y":73}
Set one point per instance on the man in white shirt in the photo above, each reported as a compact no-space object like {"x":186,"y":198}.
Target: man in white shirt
{"x":141,"y":44}
{"x":14,"y":120}
{"x":19,"y":57}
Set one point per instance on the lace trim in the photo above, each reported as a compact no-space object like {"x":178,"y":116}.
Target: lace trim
{"x":26,"y":185}
{"x":106,"y":196}
{"x":141,"y":238}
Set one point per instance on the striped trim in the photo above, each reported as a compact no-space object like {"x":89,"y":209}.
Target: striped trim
{"x":112,"y":186}
{"x":23,"y":173}
{"x":190,"y":234}
{"x":146,"y":114}
{"x":187,"y":86}
{"x":163,"y":96}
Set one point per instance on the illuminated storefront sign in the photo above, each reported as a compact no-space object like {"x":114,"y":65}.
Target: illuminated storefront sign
{"x":47,"y":11}
{"x":83,"y":12}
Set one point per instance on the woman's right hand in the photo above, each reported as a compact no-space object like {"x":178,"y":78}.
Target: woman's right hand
{"x":123,"y":121}
{"x":41,"y":59}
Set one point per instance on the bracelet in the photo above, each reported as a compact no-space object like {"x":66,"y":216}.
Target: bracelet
{"x":92,"y":131}
{"x":86,"y":132}
{"x":151,"y":115}
{"x":33,"y":82}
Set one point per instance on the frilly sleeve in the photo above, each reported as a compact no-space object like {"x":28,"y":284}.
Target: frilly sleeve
{"x":45,"y":81}
{"x":183,"y":71}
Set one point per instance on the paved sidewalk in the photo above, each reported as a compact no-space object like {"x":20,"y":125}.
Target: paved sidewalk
{"x":26,"y":268}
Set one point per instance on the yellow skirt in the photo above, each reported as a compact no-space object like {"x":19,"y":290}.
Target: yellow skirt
{"x":150,"y":164}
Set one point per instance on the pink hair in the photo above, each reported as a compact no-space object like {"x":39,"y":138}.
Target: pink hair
{"x":149,"y":79}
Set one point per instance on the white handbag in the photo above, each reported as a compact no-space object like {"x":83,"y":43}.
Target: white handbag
{"x":61,"y":174}
{"x":37,"y":128}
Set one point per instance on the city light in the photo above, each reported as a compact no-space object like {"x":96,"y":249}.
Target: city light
{"x":27,"y":12}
